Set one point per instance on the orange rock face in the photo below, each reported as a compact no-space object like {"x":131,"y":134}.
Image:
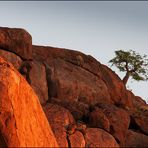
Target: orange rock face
{"x":22,"y":121}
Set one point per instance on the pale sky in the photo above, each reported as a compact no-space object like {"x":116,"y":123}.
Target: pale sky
{"x":97,"y":28}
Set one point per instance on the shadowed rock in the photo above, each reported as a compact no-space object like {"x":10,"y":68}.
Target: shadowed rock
{"x":119,"y":121}
{"x":134,"y":139}
{"x":35,"y":74}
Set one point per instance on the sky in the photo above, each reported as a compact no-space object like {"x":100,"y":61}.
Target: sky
{"x":96,"y":28}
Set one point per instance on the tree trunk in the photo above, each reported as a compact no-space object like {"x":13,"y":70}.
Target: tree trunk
{"x":125,"y":79}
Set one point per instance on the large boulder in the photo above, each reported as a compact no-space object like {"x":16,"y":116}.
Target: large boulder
{"x":18,"y":41}
{"x":116,"y":88}
{"x":134,"y":139}
{"x":139,"y":119}
{"x":96,"y":137}
{"x":98,"y":119}
{"x":79,"y":77}
{"x":58,"y":114}
{"x":119,"y":121}
{"x":77,"y":109}
{"x":76,"y":84}
{"x":22,"y":120}
{"x":59,"y":118}
{"x":72,"y":80}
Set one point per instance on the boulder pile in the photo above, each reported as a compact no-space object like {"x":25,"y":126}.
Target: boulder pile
{"x":54,"y":97}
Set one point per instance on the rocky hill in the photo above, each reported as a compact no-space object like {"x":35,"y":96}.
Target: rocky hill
{"x":53,"y":97}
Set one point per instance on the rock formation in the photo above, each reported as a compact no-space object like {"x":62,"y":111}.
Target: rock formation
{"x":22,"y":120}
{"x":86,"y":104}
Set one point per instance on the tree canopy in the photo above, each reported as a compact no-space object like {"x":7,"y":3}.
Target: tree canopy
{"x":134,"y":64}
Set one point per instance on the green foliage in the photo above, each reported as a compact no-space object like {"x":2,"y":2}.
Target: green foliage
{"x":132,"y":63}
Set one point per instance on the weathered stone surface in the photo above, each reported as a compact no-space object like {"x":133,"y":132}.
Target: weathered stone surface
{"x":69,"y":81}
{"x":96,"y":137}
{"x":140,"y":119}
{"x":134,"y":101}
{"x":104,"y":84}
{"x":119,"y":120}
{"x":59,"y":118}
{"x":22,"y":121}
{"x":77,"y":140}
{"x":35,"y":74}
{"x":17,"y":41}
{"x":58,"y":114}
{"x":74,"y":82}
{"x":138,"y":101}
{"x":60,"y":134}
{"x":77,"y":109}
{"x":12,"y":58}
{"x":134,"y":139}
{"x":115,"y":86}
{"x":77,"y":84}
{"x":130,"y":100}
{"x":98,"y":119}
{"x":81,"y":126}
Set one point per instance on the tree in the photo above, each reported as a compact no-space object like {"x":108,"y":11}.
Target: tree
{"x":134,"y":64}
